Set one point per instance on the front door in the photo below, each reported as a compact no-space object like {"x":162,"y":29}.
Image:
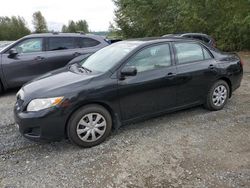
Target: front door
{"x":153,"y":89}
{"x":27,"y":64}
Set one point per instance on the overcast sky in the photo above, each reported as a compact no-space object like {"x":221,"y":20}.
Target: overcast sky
{"x":98,"y":13}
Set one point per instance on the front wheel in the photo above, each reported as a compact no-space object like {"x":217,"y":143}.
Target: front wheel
{"x":217,"y":96}
{"x":89,"y":126}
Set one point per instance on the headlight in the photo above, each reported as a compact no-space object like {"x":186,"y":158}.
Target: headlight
{"x":40,"y":104}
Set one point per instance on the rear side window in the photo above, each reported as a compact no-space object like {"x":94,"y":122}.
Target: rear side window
{"x":188,"y":52}
{"x":61,"y":43}
{"x":191,"y":52}
{"x":86,"y":42}
{"x":207,"y":55}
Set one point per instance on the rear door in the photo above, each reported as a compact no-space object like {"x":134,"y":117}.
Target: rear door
{"x":59,"y":51}
{"x":27,"y":64}
{"x":88,"y":45}
{"x":196,"y":70}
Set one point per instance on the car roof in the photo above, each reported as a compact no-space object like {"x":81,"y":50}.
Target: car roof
{"x":151,"y":40}
{"x":56,"y":34}
{"x":185,"y":34}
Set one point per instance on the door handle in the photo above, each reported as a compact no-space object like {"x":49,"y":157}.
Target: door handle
{"x":39,"y":58}
{"x":170,"y":75}
{"x":211,"y":66}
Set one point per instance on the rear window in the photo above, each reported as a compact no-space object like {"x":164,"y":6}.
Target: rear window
{"x":61,"y":43}
{"x":205,"y":39}
{"x":86,"y":42}
{"x":197,"y":37}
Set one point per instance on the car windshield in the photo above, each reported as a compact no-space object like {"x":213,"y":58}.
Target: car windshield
{"x":4,"y":45}
{"x":108,"y":57}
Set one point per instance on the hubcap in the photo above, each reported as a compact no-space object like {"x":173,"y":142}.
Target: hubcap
{"x":91,"y":127}
{"x":219,"y":95}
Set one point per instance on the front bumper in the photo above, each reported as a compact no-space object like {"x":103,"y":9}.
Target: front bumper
{"x":45,"y":125}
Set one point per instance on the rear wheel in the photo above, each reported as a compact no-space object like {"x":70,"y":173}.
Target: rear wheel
{"x":1,"y":88}
{"x":89,"y":126}
{"x":217,"y":96}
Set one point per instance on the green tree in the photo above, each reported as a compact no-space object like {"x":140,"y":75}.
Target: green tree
{"x":64,"y":29}
{"x":73,"y":27}
{"x":226,"y":20}
{"x":39,"y":23}
{"x":113,"y":32}
{"x":13,"y":28}
{"x":82,"y":26}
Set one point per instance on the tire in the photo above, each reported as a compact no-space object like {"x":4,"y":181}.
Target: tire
{"x":89,"y":126}
{"x":1,"y":88}
{"x":217,"y":96}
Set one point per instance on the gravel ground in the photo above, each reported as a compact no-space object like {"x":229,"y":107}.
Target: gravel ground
{"x":190,"y":148}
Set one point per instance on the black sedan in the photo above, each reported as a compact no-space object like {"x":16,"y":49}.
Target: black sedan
{"x":123,"y":83}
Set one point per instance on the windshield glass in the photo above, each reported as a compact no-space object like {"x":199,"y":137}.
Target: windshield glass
{"x":4,"y":45}
{"x":106,"y":58}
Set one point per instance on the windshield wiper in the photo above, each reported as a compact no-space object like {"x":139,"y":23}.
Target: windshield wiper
{"x":84,"y":68}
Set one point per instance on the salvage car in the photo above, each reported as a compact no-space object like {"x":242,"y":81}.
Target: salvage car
{"x":123,"y":83}
{"x":37,"y":54}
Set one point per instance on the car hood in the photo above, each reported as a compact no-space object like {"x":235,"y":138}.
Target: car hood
{"x":57,"y":83}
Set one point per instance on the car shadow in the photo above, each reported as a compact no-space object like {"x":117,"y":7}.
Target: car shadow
{"x":123,"y":136}
{"x":116,"y":137}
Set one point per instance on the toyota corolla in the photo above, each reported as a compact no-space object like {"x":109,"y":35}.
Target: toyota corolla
{"x":123,"y":83}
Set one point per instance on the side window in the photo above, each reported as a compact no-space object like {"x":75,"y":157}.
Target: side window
{"x":206,"y":54}
{"x":151,"y":58}
{"x":30,"y":45}
{"x":61,"y":43}
{"x":188,"y":52}
{"x":87,"y":42}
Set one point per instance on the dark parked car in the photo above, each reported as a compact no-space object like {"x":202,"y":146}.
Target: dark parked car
{"x":123,"y":83}
{"x":37,"y":54}
{"x":199,"y":36}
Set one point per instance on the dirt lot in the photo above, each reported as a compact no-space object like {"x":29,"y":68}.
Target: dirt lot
{"x":191,"y":148}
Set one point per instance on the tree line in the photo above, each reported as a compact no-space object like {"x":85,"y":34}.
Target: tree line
{"x":74,"y":27}
{"x":15,"y":27}
{"x":228,"y":21}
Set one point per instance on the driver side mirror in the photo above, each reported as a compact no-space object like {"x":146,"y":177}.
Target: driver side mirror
{"x":12,"y":52}
{"x":128,"y":71}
